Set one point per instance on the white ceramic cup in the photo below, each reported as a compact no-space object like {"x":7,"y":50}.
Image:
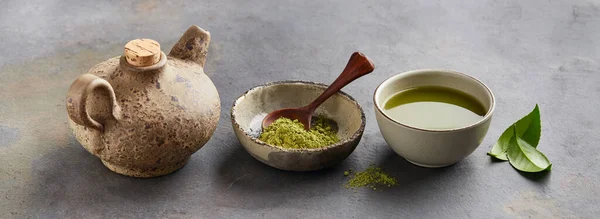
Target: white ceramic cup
{"x":433,"y":148}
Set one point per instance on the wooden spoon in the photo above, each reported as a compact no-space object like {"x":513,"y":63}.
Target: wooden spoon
{"x":358,"y":66}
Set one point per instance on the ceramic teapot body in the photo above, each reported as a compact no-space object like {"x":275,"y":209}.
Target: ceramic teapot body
{"x":147,"y":121}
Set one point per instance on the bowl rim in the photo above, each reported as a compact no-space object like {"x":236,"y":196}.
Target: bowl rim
{"x":487,"y":116}
{"x":357,"y":134}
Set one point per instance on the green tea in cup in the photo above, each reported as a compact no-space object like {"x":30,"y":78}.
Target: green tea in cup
{"x":433,"y":117}
{"x":434,"y":107}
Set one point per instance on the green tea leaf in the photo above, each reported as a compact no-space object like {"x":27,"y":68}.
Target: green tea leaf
{"x":524,"y":157}
{"x":501,"y":146}
{"x":528,"y":128}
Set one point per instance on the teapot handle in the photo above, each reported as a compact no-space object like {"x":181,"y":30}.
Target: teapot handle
{"x":77,"y":96}
{"x":192,"y":46}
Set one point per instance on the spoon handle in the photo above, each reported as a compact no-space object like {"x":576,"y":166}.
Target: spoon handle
{"x":358,"y":66}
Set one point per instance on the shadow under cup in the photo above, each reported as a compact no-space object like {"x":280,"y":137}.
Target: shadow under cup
{"x":433,"y":148}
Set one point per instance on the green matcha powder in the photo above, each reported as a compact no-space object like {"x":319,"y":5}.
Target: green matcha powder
{"x":291,"y":134}
{"x":370,"y":177}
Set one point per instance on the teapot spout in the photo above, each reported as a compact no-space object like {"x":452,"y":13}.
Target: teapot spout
{"x":192,"y":46}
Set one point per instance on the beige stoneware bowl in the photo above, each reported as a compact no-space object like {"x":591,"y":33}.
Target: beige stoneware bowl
{"x":249,"y":110}
{"x":433,"y":148}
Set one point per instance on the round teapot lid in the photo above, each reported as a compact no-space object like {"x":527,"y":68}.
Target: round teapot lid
{"x":142,"y":52}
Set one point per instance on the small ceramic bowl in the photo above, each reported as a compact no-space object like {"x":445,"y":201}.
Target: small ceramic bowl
{"x":426,"y":147}
{"x":249,"y":110}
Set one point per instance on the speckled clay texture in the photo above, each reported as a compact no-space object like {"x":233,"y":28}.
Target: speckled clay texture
{"x":168,"y":112}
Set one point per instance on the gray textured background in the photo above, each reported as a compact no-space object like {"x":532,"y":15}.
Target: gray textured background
{"x":528,"y":52}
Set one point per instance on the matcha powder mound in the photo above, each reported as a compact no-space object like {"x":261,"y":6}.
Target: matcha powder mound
{"x":291,"y":134}
{"x":371,"y":177}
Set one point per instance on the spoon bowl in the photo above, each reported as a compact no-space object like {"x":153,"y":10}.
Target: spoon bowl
{"x":301,"y":114}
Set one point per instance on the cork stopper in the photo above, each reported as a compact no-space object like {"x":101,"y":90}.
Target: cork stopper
{"x":142,"y":52}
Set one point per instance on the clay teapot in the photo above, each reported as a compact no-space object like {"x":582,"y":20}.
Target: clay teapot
{"x":145,"y":113}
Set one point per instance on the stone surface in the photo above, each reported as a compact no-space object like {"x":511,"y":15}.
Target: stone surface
{"x":528,"y":52}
